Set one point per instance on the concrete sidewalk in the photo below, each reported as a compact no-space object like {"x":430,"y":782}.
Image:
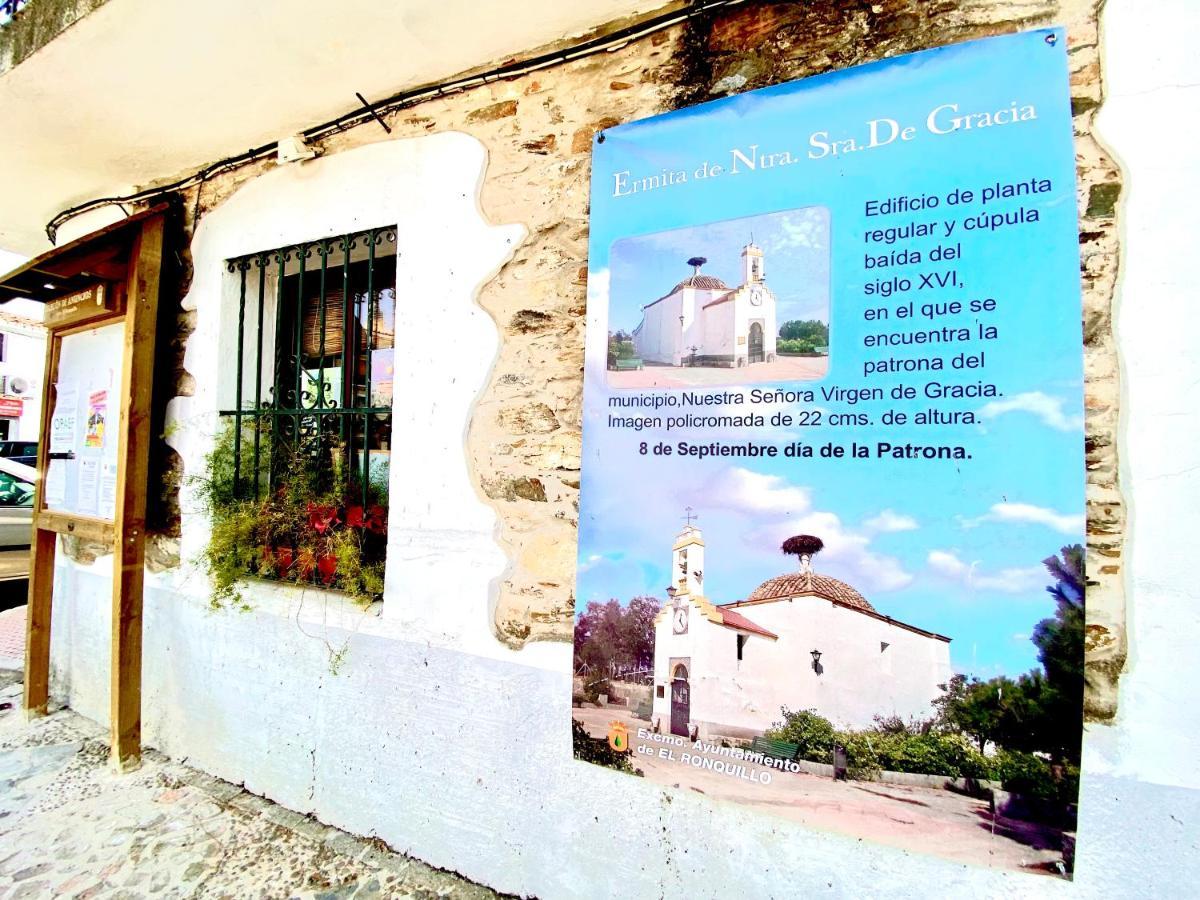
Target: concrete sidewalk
{"x":71,"y":827}
{"x":12,"y":638}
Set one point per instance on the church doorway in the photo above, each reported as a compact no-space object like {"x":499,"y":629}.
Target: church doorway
{"x":681,"y":701}
{"x":756,"y":343}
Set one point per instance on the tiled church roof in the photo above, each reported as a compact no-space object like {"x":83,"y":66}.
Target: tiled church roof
{"x":732,"y":619}
{"x":795,"y":584}
{"x":700,"y":283}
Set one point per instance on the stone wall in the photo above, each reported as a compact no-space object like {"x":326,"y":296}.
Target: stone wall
{"x":524,"y":441}
{"x":37,"y":24}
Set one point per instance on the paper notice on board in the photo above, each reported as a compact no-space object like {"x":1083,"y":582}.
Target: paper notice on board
{"x":97,"y":416}
{"x":108,"y":490}
{"x":89,"y":486}
{"x":63,"y":420}
{"x":56,"y":483}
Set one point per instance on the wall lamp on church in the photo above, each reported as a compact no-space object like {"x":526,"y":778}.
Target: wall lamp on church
{"x":816,"y":655}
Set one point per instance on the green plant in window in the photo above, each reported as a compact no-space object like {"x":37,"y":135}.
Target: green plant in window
{"x":311,"y":525}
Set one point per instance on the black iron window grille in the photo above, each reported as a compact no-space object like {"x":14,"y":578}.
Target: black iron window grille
{"x":299,"y":478}
{"x":314,"y":366}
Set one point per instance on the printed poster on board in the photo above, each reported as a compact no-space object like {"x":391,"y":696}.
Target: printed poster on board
{"x":97,"y":418}
{"x":832,"y":505}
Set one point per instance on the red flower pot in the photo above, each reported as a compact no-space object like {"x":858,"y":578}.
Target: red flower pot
{"x":327,"y":568}
{"x":322,"y":518}
{"x":285,"y":557}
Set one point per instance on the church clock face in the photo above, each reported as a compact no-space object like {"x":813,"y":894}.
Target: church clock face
{"x":679,"y":620}
{"x":756,"y":295}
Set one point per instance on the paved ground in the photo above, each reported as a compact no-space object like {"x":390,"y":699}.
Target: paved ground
{"x":12,"y":637}
{"x":14,"y":564}
{"x":70,"y":827}
{"x":783,"y":368}
{"x":918,"y":819}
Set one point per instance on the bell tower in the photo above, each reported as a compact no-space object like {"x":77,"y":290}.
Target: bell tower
{"x":753,"y":269}
{"x":687,"y":560}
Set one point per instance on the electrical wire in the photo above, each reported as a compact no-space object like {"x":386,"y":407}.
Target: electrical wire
{"x":607,"y":43}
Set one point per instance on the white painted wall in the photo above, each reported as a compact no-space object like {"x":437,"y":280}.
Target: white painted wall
{"x":858,"y":679}
{"x":661,"y":338}
{"x":441,"y":556}
{"x":460,"y":753}
{"x":720,"y":330}
{"x":25,"y":355}
{"x":852,"y":687}
{"x":1152,"y":75}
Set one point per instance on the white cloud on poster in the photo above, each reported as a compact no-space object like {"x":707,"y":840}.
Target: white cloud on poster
{"x":947,"y":565}
{"x":756,"y":494}
{"x":805,"y":228}
{"x":1028,"y":514}
{"x":1043,"y":406}
{"x":780,"y":509}
{"x":597,"y":290}
{"x":590,"y":563}
{"x":888,"y":521}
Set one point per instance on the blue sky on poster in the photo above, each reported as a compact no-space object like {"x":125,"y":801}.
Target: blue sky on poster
{"x":950,"y":546}
{"x":922,"y":545}
{"x":795,"y":245}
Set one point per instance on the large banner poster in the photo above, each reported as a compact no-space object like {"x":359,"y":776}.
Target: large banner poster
{"x":832,"y":512}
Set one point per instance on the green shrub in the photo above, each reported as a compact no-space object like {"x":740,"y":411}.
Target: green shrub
{"x":814,"y":733}
{"x":1035,"y":778}
{"x":596,"y":750}
{"x":862,"y":753}
{"x":811,"y":330}
{"x":618,"y":349}
{"x":593,"y":689}
{"x":931,"y":754}
{"x":889,"y":747}
{"x":795,"y":346}
{"x":312,"y":527}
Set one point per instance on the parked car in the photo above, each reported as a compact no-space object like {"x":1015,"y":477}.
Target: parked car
{"x":16,"y":502}
{"x":18,"y":449}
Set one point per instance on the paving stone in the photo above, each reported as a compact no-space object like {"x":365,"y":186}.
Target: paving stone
{"x":31,"y":872}
{"x":30,"y":889}
{"x":312,"y":829}
{"x":283,"y":817}
{"x":249,"y":803}
{"x":344,"y":844}
{"x":74,"y":829}
{"x":369,"y":890}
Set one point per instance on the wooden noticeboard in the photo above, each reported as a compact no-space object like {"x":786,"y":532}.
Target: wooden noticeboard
{"x":102,"y":296}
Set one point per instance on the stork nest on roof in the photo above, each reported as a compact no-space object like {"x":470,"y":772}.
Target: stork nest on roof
{"x":803,"y":545}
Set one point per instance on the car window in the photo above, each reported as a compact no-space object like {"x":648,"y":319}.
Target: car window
{"x":14,"y":492}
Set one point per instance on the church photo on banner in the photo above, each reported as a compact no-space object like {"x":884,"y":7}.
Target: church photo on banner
{"x":832,"y":506}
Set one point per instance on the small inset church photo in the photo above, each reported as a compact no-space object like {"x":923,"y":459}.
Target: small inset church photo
{"x":802,"y":640}
{"x":733,"y":302}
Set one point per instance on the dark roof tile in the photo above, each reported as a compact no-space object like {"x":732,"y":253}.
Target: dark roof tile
{"x":796,"y":584}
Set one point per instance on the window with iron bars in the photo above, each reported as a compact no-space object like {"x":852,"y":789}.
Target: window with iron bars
{"x":312,"y":393}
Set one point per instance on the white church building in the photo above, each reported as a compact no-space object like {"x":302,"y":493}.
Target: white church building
{"x":704,"y":322}
{"x":800,"y":640}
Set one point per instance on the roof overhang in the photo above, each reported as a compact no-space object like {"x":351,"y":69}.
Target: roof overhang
{"x":102,"y":256}
{"x":139,"y":92}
